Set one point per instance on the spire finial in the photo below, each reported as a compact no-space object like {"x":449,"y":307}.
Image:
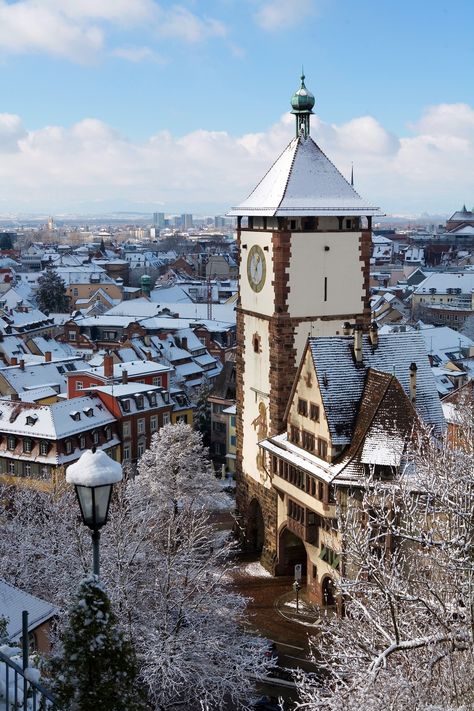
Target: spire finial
{"x":352,"y":174}
{"x":302,"y":103}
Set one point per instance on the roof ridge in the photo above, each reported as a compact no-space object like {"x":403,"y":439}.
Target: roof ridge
{"x":298,"y":143}
{"x":293,"y":140}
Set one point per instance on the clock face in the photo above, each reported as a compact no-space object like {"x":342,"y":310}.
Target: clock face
{"x":256,"y":268}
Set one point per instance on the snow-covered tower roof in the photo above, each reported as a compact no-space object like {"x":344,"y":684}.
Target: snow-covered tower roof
{"x":303,"y":181}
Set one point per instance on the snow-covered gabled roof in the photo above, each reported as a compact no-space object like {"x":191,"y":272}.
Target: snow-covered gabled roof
{"x":342,"y":382}
{"x":12,"y":603}
{"x":56,"y":421}
{"x":303,"y":181}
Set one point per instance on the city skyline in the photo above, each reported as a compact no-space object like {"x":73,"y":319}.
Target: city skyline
{"x":131,"y":105}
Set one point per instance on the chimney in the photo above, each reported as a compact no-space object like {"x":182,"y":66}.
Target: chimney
{"x":15,"y":397}
{"x":374,"y":334}
{"x":47,"y":357}
{"x":124,"y":377}
{"x":13,"y":360}
{"x":184,"y":343}
{"x":162,"y":336}
{"x":358,"y":343}
{"x":346,"y":328}
{"x":108,"y":365}
{"x":22,"y":364}
{"x":413,"y":370}
{"x":149,"y":355}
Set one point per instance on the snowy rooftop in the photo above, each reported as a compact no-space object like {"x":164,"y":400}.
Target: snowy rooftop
{"x":442,"y":281}
{"x":342,"y":383}
{"x":56,"y":421}
{"x":12,"y":603}
{"x":133,"y":367}
{"x":303,"y":181}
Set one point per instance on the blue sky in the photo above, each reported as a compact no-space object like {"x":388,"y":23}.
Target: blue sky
{"x":121,"y":104}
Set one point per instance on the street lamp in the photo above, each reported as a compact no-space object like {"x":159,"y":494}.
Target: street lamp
{"x":93,"y":476}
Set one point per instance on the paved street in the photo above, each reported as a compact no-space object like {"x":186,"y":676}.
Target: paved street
{"x":270,"y":616}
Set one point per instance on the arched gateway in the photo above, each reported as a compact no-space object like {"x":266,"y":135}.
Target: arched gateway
{"x":291,"y":552}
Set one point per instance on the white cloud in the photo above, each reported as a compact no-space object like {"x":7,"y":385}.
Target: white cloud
{"x":77,"y":30}
{"x":57,"y":168}
{"x":28,"y":26}
{"x":274,"y":15}
{"x":137,"y":54}
{"x":183,"y":24}
{"x":11,"y":131}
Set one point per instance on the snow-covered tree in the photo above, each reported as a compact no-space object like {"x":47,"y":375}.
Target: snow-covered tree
{"x":177,"y":467}
{"x":52,"y":546}
{"x":97,"y":667}
{"x":51,"y":293}
{"x":164,"y":567}
{"x":406,"y":637}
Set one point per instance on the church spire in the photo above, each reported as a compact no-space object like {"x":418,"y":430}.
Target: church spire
{"x":302,"y":103}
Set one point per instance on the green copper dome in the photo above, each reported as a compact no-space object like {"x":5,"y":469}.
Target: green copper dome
{"x":302,"y":100}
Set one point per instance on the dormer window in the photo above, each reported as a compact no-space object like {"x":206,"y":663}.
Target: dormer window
{"x":76,"y":416}
{"x":31,"y":419}
{"x":82,"y":442}
{"x":88,"y":411}
{"x":68,"y":446}
{"x":139,"y":401}
{"x":95,"y":437}
{"x":152,"y":400}
{"x":126,"y":405}
{"x":108,"y":433}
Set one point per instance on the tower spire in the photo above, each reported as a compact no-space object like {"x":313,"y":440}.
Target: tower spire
{"x":302,"y":103}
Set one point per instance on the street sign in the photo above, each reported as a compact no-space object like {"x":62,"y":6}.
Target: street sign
{"x":298,"y":571}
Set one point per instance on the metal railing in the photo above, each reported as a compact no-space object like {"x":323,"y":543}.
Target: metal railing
{"x":22,"y":693}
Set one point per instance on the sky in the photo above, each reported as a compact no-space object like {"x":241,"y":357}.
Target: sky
{"x":118,"y":105}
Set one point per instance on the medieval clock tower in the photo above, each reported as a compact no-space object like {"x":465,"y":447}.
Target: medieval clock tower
{"x":305,"y":237}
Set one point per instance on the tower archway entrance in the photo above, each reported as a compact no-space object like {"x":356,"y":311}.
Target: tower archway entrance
{"x":291,"y":552}
{"x":255,"y":533}
{"x":329,"y":595}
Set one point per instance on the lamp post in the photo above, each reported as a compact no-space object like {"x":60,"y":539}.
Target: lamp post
{"x":93,"y":476}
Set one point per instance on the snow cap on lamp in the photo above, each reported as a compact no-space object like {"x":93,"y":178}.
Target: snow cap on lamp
{"x":94,"y":468}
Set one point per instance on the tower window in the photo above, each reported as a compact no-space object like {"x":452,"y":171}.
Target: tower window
{"x":256,"y":340}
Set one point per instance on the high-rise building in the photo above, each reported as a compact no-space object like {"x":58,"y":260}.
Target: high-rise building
{"x":305,"y":239}
{"x":159,"y":220}
{"x":186,"y":221}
